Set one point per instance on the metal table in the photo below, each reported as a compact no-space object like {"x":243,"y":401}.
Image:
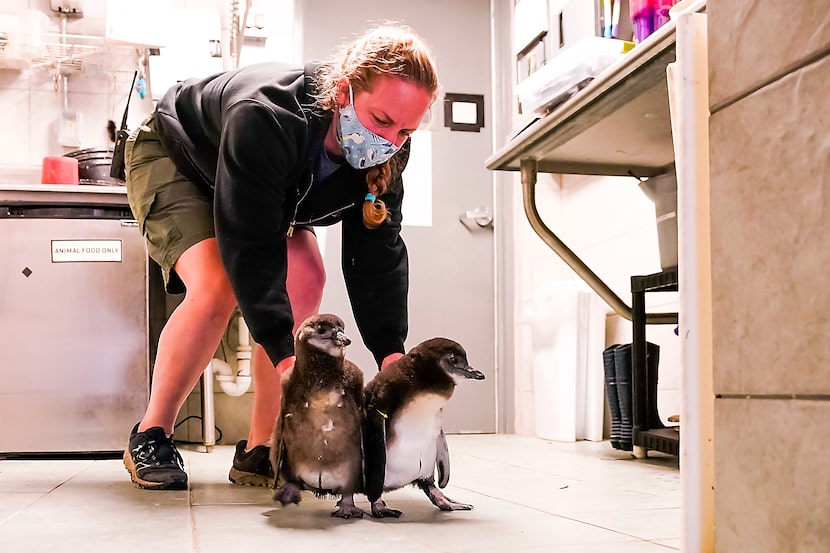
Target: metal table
{"x":618,"y":125}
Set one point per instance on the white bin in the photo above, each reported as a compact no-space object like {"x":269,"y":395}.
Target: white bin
{"x":568,"y":331}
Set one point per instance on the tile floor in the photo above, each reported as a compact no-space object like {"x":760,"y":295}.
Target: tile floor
{"x":530,"y":495}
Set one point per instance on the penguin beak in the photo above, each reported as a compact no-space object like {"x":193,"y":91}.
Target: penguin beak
{"x":341,"y":339}
{"x":471,"y":373}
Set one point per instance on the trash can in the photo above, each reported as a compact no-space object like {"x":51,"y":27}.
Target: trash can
{"x":568,"y":333}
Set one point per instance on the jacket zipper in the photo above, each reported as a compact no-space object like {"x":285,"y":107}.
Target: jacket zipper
{"x":321,"y":217}
{"x":290,"y":231}
{"x":294,"y":222}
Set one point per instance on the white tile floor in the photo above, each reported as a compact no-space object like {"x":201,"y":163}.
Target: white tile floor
{"x":529,"y":495}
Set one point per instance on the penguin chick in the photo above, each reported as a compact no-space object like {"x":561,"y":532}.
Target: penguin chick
{"x":403,"y":436}
{"x":317,"y":436}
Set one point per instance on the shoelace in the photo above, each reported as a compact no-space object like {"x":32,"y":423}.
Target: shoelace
{"x":149,"y":454}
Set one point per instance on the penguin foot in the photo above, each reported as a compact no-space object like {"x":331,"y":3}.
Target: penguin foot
{"x":380,"y":510}
{"x":347,"y":509}
{"x":442,"y":501}
{"x":289,"y":493}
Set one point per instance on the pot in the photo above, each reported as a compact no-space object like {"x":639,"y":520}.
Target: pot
{"x":94,"y":166}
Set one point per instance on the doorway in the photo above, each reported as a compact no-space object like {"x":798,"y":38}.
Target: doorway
{"x":452,"y":290}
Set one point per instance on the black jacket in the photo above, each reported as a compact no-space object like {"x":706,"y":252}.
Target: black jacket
{"x":250,"y":137}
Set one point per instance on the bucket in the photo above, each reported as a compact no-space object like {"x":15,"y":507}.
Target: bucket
{"x":662,"y":190}
{"x":94,"y":165}
{"x":59,"y":170}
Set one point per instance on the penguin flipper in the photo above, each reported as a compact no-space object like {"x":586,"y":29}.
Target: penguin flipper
{"x":374,"y":450}
{"x":277,"y":451}
{"x":442,"y":460}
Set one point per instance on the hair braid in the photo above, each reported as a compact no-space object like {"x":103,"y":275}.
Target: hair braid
{"x":374,"y":210}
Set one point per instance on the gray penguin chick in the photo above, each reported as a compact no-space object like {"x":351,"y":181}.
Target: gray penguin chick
{"x":317,"y":437}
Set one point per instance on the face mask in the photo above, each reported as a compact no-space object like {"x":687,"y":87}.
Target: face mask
{"x":361,"y":147}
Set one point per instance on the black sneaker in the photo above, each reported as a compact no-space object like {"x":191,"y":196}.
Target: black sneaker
{"x":153,"y":461}
{"x":252,"y":468}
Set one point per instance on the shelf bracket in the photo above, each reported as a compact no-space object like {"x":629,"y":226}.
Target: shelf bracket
{"x":529,"y":173}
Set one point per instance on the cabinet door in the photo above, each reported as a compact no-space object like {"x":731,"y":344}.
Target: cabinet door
{"x":73,"y":332}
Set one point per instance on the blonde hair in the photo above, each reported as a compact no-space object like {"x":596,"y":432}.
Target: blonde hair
{"x":387,"y":49}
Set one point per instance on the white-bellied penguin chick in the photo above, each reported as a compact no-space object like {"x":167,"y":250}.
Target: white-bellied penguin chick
{"x":317,"y":437}
{"x":403,"y":436}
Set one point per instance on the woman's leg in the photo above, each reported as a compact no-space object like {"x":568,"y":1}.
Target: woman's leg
{"x":191,"y":335}
{"x":306,"y":278}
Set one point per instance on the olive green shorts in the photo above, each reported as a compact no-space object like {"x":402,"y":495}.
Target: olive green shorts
{"x":173,"y":213}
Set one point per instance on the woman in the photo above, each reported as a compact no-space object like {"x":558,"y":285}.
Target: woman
{"x":226,"y":179}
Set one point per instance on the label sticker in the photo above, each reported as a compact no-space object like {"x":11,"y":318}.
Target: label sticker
{"x":67,"y":251}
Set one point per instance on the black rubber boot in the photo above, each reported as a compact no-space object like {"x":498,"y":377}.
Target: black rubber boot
{"x":611,"y":394}
{"x":652,"y":369}
{"x":622,"y":370}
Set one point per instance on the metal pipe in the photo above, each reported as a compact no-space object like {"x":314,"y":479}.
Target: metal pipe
{"x":528,"y":174}
{"x":208,"y":410}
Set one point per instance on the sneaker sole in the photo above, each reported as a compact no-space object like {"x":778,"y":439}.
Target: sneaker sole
{"x":146,"y":484}
{"x":242,"y":478}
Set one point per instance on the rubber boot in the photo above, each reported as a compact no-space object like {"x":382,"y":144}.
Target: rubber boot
{"x":652,"y":370}
{"x":622,"y":370}
{"x":611,"y":394}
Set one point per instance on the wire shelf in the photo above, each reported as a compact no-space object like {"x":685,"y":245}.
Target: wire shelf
{"x":64,"y":53}
{"x":64,"y":56}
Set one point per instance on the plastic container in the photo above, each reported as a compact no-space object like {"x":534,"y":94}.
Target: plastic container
{"x":662,"y":190}
{"x":567,"y":322}
{"x":59,"y":170}
{"x":568,"y":72}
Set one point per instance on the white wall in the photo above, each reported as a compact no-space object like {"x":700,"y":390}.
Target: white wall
{"x":610,"y":224}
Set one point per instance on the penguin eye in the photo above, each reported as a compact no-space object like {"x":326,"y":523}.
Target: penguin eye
{"x":453,"y":359}
{"x":321,"y":329}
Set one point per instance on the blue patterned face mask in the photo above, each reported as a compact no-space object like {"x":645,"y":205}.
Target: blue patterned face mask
{"x":361,"y":147}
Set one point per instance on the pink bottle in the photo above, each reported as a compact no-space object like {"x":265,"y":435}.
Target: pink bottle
{"x":642,"y":17}
{"x":661,"y":12}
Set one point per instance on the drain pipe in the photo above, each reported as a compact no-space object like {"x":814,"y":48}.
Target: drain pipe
{"x":238,"y":383}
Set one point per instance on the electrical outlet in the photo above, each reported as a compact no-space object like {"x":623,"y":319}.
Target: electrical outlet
{"x":70,"y":8}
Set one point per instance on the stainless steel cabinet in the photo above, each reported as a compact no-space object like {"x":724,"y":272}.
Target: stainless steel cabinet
{"x":74,"y":375}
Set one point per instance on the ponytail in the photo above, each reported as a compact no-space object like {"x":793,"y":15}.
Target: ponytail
{"x":374,"y":210}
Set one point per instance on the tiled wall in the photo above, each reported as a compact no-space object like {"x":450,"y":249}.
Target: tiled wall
{"x":610,"y":223}
{"x":770,"y":187}
{"x":31,"y":105}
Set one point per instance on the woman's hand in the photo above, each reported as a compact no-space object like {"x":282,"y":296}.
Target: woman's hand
{"x":391,"y":358}
{"x":285,"y":364}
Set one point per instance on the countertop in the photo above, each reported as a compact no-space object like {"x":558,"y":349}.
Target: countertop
{"x":69,"y":194}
